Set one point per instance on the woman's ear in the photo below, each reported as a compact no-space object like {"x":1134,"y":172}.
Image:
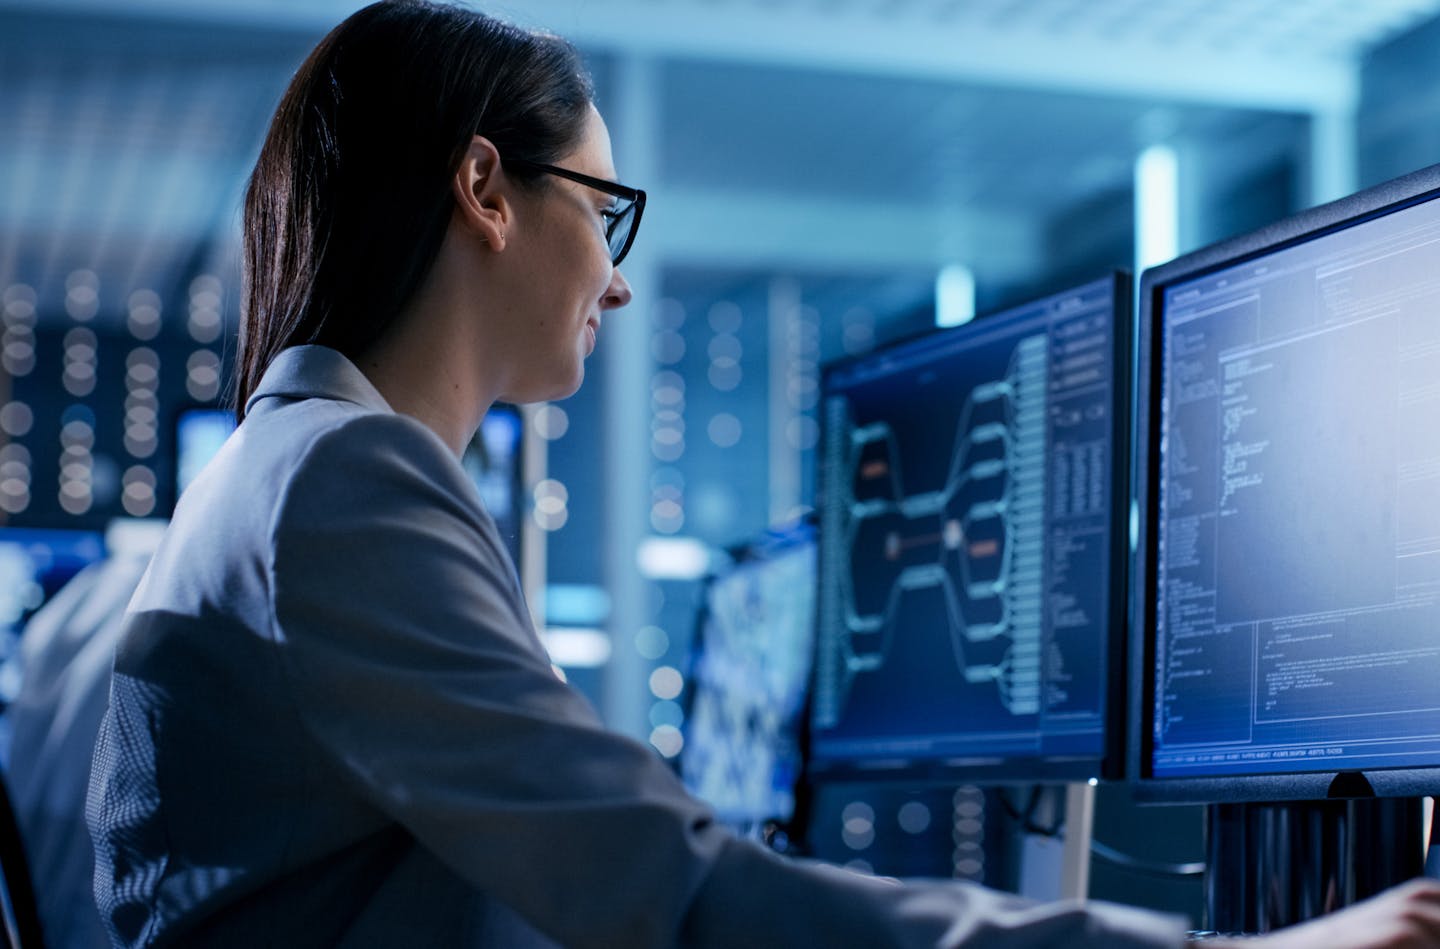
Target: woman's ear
{"x":481,"y":193}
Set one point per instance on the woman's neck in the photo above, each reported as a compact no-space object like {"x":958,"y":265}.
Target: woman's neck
{"x":425,"y":376}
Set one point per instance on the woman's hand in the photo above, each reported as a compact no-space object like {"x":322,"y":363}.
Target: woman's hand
{"x":1405,"y":917}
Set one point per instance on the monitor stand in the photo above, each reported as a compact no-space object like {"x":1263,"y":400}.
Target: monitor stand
{"x":1079,"y":832}
{"x":1272,"y":865}
{"x":1050,"y":869}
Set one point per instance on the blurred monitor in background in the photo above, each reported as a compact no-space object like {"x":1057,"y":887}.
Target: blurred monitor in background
{"x":199,"y":433}
{"x":34,"y":564}
{"x":494,"y":462}
{"x":749,"y":675}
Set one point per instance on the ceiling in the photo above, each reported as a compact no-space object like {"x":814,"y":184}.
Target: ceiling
{"x":790,"y":132}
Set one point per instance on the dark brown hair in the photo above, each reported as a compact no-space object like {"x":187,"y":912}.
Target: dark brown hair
{"x":350,"y":198}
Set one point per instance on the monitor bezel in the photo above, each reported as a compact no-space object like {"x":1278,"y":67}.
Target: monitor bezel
{"x":1372,"y":203}
{"x":1028,"y":769}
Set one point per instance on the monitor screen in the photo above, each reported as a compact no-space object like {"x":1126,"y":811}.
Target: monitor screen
{"x":1289,"y":587}
{"x":34,"y":564}
{"x":748,"y":681}
{"x":199,"y":433}
{"x":972,"y":487}
{"x":494,"y":463}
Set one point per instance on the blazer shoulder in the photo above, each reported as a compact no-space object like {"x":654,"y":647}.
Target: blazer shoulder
{"x":359,"y":465}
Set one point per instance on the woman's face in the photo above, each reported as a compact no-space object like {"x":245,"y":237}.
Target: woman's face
{"x":565,"y":281}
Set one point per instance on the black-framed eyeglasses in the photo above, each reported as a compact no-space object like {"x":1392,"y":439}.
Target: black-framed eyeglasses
{"x":621,"y":221}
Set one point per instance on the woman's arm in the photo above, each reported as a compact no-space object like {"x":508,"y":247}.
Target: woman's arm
{"x":412,"y":661}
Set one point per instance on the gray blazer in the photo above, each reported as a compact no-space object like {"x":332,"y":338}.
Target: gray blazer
{"x":332,"y":723}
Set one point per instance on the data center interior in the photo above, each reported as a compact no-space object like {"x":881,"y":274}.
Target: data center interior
{"x":959,"y":495}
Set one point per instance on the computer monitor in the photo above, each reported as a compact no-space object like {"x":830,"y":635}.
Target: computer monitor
{"x":748,"y":680}
{"x":972,"y":567}
{"x":34,"y":564}
{"x":1287,"y":575}
{"x":494,"y":461}
{"x":199,"y":433}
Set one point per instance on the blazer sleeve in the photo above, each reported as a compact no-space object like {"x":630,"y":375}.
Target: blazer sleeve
{"x":414,"y":666}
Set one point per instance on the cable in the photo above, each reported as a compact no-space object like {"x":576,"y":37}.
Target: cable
{"x":1109,"y":854}
{"x":1027,"y":819}
{"x":1154,"y":868}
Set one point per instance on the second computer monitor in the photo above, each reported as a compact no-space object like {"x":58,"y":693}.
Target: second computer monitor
{"x":1288,"y":569}
{"x":972,"y":561}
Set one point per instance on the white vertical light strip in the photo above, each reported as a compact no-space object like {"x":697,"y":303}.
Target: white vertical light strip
{"x":784,"y":318}
{"x":1157,"y":239}
{"x":1157,"y":206}
{"x":954,"y":295}
{"x":1334,"y":160}
{"x":534,"y":468}
{"x":1079,"y":832}
{"x":625,"y":346}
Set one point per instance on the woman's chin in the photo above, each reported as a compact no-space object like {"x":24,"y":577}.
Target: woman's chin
{"x":551,"y":390}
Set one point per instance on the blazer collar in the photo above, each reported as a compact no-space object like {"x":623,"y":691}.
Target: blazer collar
{"x":316,"y":372}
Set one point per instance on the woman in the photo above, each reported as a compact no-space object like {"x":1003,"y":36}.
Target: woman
{"x":331,"y":722}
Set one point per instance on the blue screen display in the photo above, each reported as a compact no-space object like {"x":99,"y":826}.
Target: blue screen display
{"x":199,"y":433}
{"x":742,"y":746}
{"x":966,"y":543}
{"x":1297,"y":545}
{"x":493,"y":461}
{"x":34,"y":565}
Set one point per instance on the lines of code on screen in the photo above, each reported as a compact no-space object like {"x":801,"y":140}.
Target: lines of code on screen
{"x":1298,"y":554}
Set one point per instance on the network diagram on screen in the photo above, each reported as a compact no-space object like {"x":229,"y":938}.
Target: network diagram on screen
{"x":965,"y":529}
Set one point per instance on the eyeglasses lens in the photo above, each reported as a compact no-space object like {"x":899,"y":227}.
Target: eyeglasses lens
{"x":620,"y":227}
